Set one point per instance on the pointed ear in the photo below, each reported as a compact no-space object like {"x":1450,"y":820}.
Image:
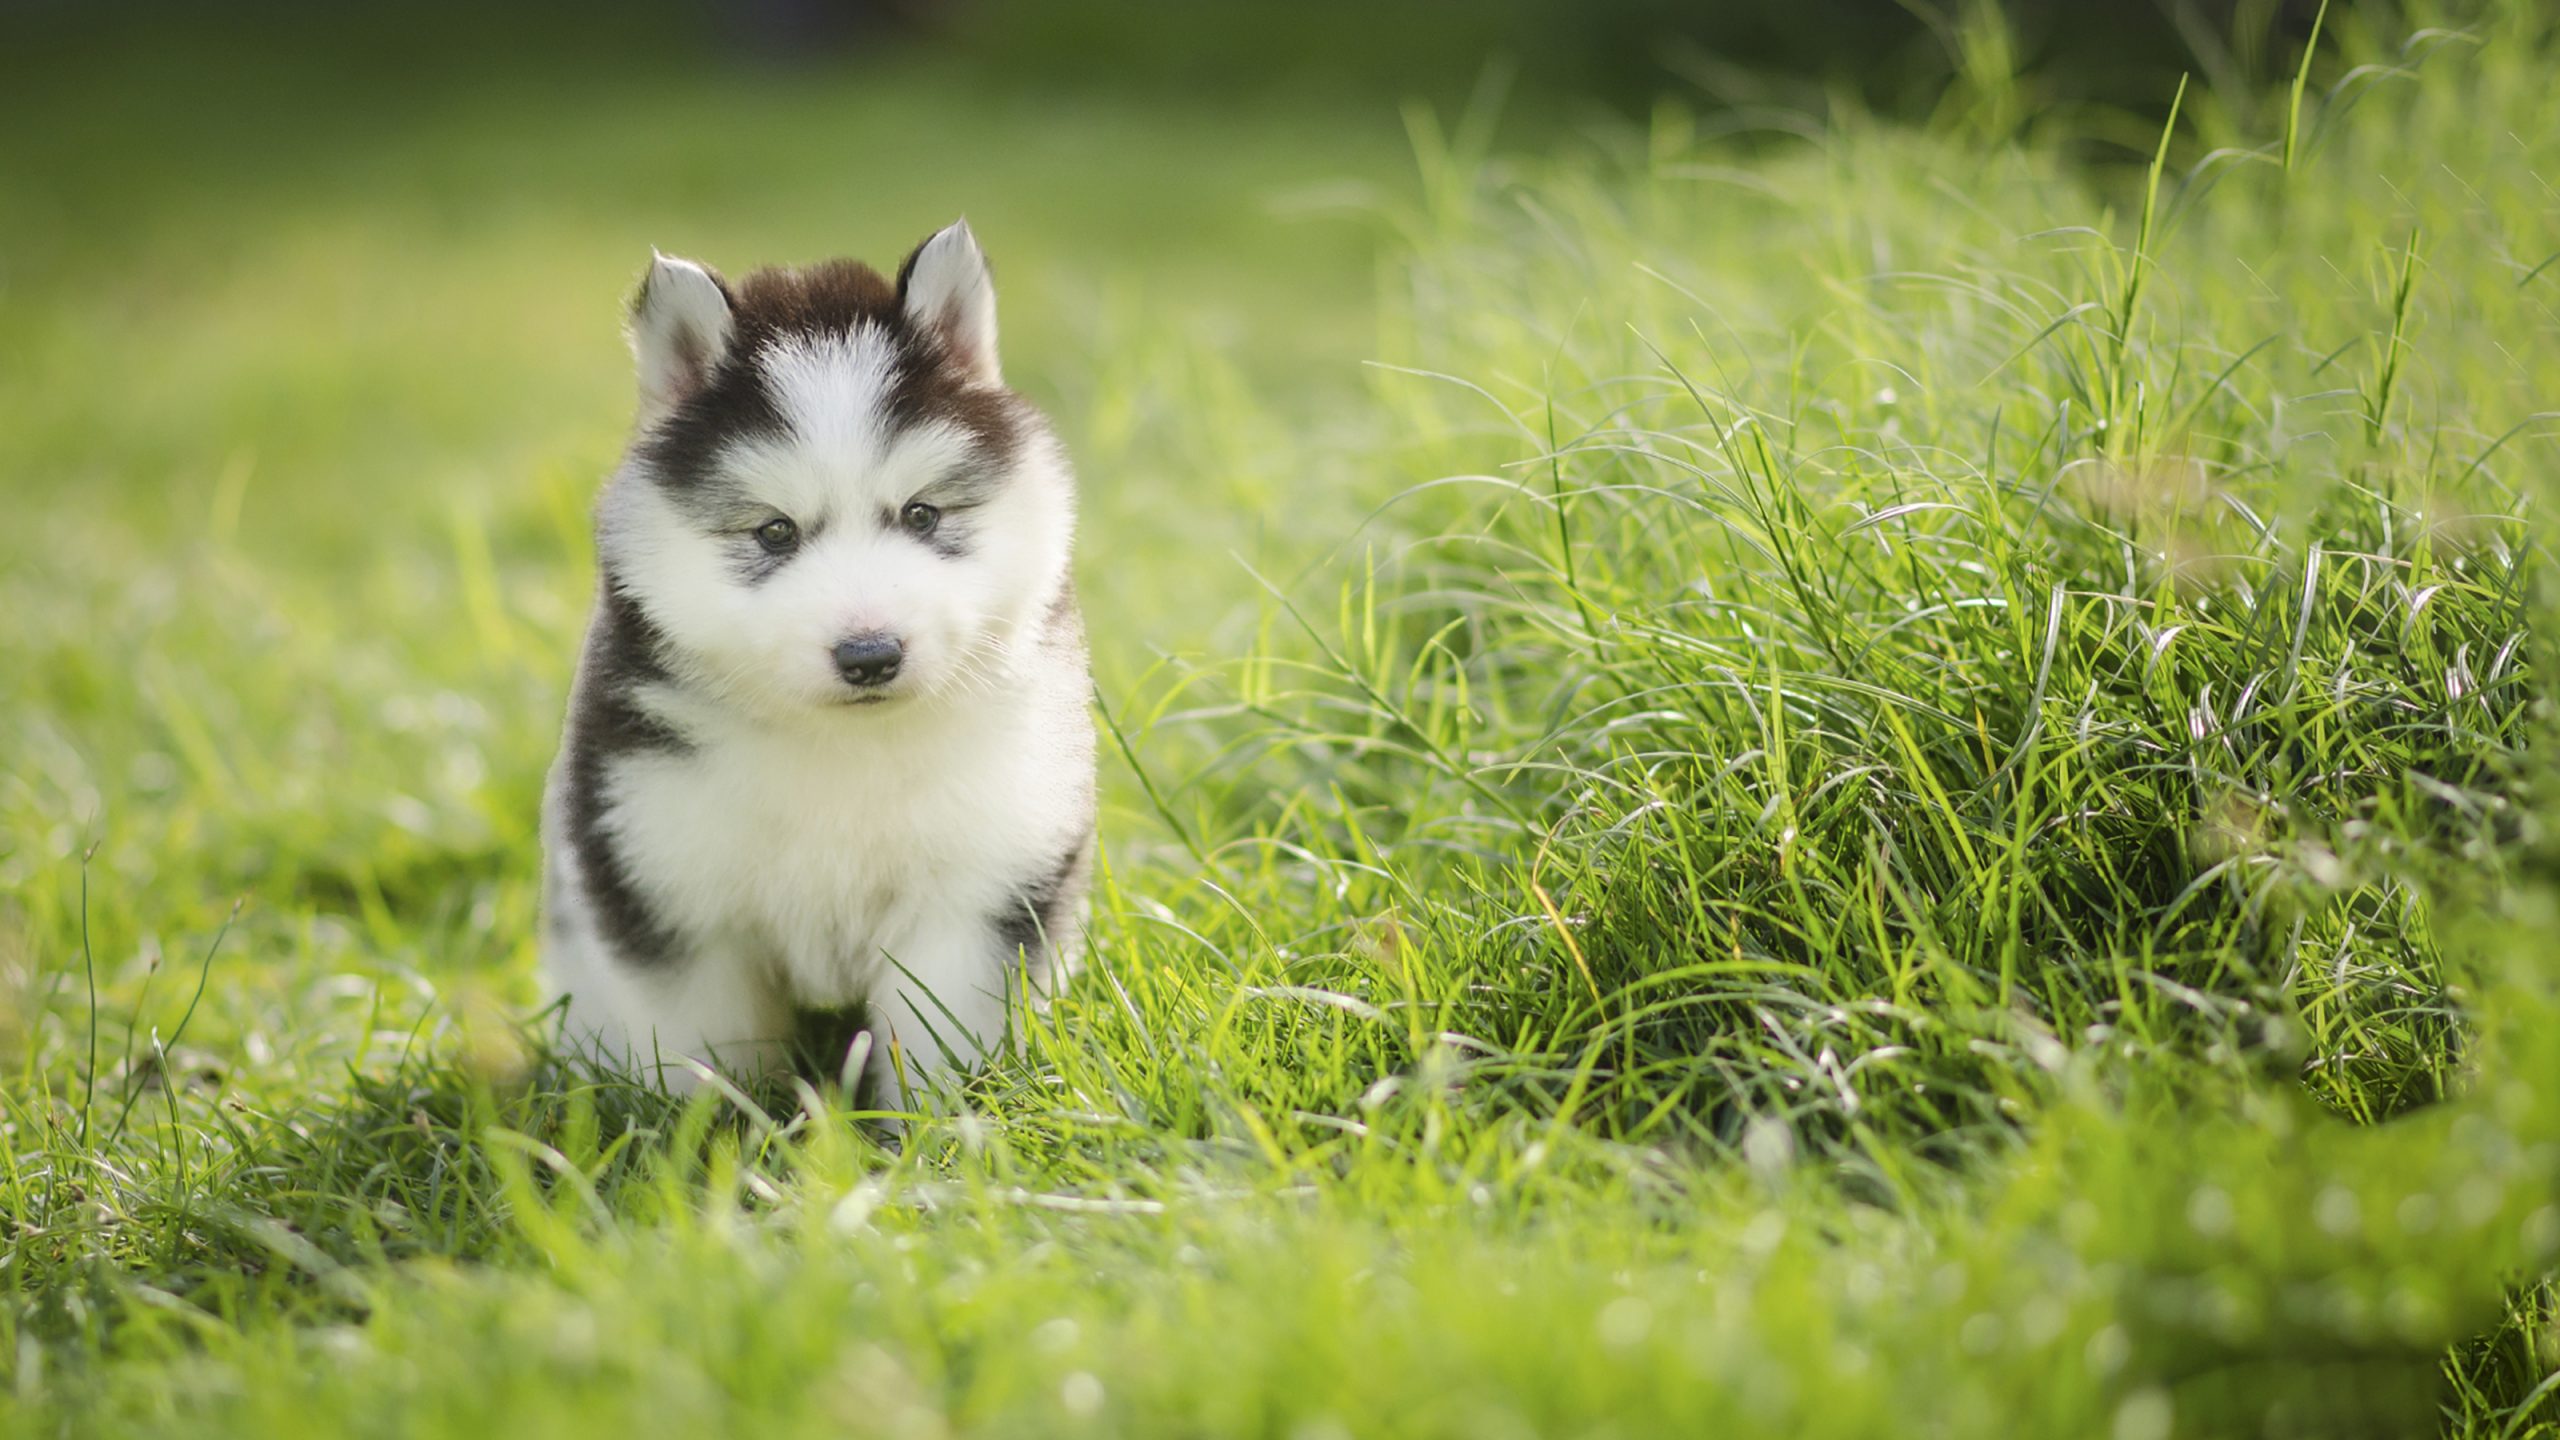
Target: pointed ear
{"x":946,"y":289}
{"x":679,"y":330}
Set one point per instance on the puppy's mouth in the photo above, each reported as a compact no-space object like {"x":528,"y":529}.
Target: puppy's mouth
{"x":869,"y":697}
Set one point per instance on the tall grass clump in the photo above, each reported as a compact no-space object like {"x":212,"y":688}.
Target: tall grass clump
{"x":1894,"y":619}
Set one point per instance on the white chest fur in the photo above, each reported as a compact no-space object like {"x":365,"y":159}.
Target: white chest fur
{"x":821,"y":853}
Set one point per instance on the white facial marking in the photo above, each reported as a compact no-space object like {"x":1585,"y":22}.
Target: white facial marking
{"x":833,"y":390}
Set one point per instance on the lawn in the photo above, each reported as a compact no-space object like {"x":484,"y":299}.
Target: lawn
{"x":1769,"y":771}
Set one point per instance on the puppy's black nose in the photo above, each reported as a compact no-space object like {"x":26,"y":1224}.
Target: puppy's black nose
{"x":870,"y":659}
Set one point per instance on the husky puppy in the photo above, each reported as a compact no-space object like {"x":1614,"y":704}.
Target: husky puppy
{"x":828,"y":767}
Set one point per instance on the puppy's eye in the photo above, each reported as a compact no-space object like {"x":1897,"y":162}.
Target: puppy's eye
{"x":777,"y":535}
{"x":919,"y":518}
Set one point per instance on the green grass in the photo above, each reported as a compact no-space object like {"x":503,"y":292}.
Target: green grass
{"x":1879,"y":781}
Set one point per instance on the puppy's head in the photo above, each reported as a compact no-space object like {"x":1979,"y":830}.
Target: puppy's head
{"x":833,"y":502}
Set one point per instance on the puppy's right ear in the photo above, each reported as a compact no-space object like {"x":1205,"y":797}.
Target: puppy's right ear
{"x":679,"y":330}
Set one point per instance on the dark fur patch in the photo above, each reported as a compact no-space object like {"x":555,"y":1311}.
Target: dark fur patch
{"x":821,"y":1038}
{"x":836,"y":297}
{"x":623,"y":654}
{"x":929,"y":387}
{"x":1034,"y":919}
{"x":751,"y":564}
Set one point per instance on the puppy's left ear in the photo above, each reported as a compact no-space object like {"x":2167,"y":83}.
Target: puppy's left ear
{"x":946,"y":290}
{"x":679,"y":331}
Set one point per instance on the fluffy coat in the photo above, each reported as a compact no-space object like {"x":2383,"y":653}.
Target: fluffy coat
{"x":826,"y":785}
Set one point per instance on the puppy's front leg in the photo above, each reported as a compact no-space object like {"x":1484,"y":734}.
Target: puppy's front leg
{"x":938,"y":1008}
{"x":713,"y":1007}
